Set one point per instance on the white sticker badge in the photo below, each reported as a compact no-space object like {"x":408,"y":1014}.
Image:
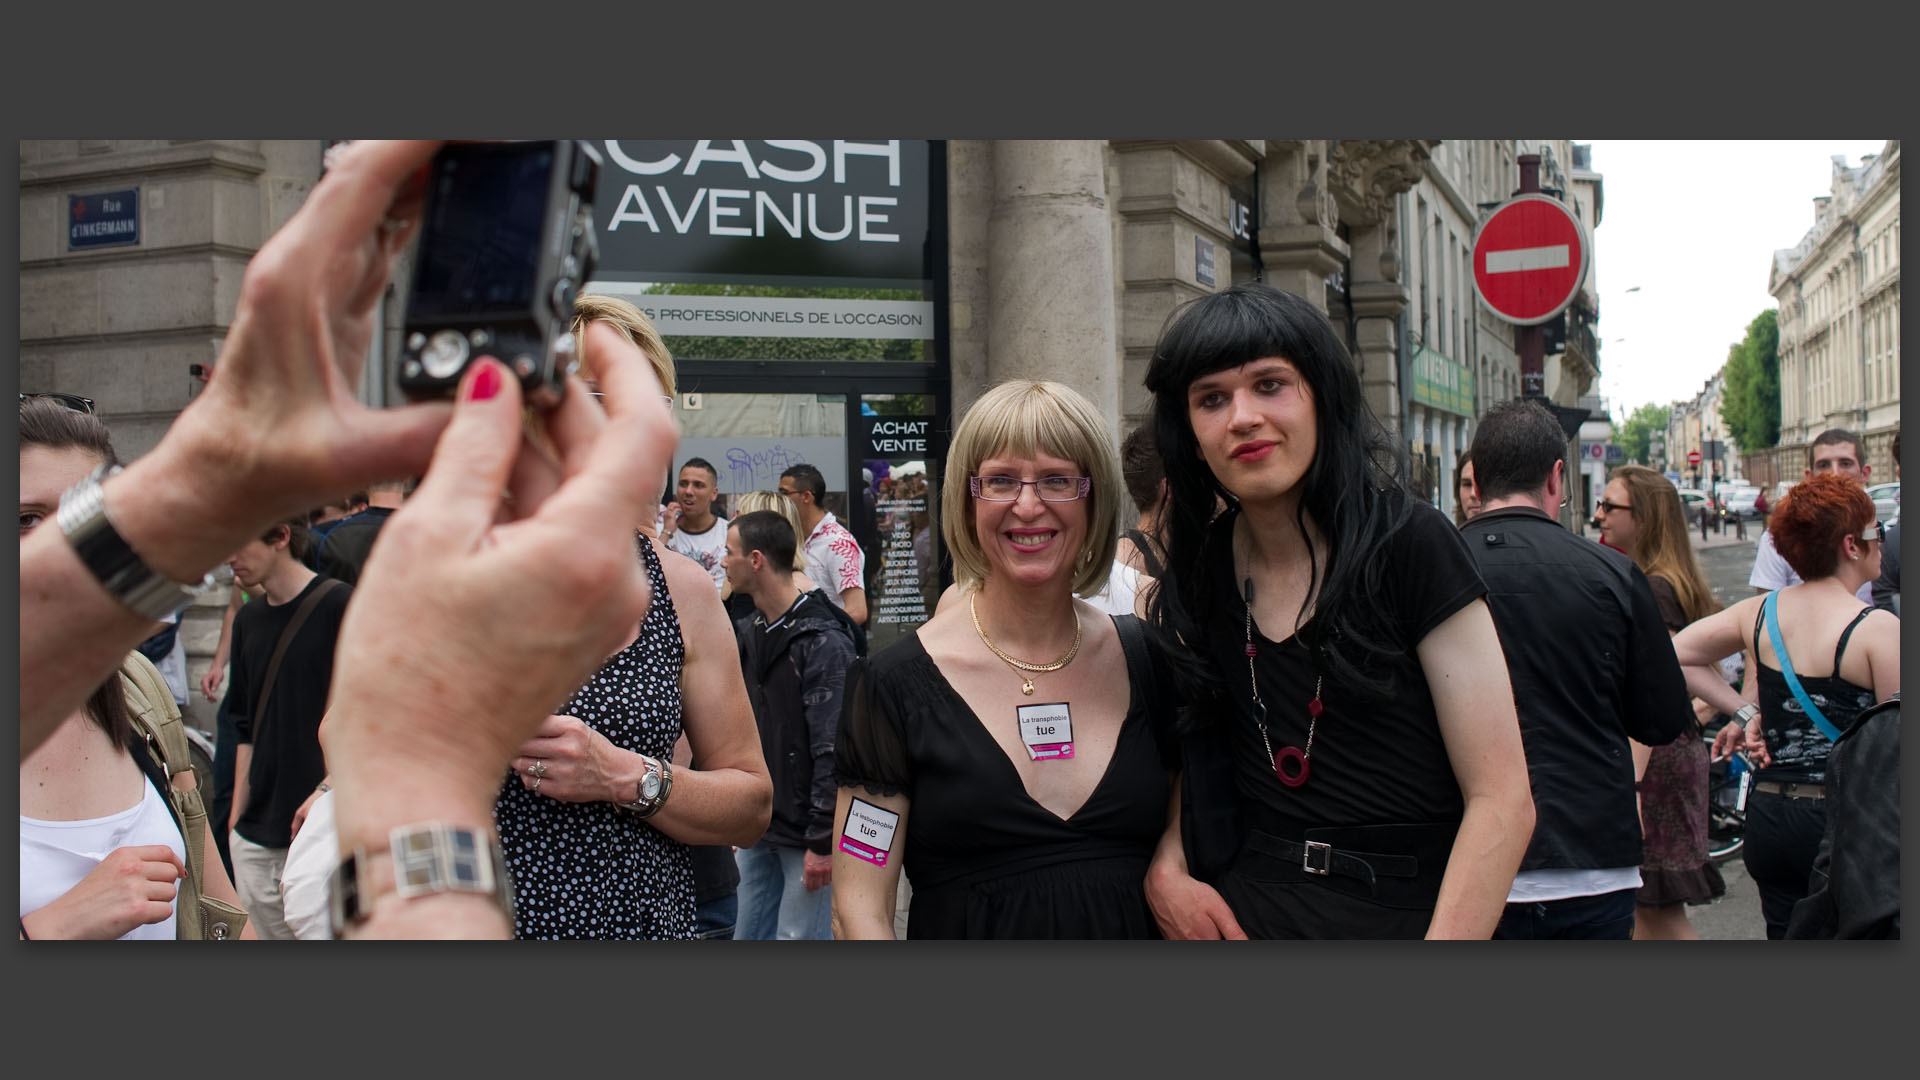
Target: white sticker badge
{"x":1047,"y":730}
{"x":869,"y":832}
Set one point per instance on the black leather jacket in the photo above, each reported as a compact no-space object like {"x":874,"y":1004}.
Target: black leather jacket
{"x":1856,"y":876}
{"x":1591,"y":665}
{"x":795,"y":677}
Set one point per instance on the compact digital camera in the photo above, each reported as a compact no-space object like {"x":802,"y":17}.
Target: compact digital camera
{"x":506,"y":242}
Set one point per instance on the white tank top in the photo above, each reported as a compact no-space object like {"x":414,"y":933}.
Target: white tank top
{"x":55,"y":855}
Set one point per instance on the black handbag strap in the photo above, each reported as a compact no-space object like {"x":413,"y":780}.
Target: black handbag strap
{"x":280,"y":650}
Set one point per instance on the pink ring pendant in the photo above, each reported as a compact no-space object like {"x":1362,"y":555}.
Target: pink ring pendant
{"x":1295,"y":757}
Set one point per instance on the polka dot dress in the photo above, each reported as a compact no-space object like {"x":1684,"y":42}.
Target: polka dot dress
{"x":592,"y":870}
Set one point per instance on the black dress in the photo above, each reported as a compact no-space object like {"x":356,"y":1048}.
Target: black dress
{"x":986,"y":860}
{"x":593,"y":870}
{"x":1381,"y":782}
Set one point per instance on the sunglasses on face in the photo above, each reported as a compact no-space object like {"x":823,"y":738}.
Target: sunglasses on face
{"x":1874,"y":532}
{"x":1609,"y":507}
{"x":72,"y":401}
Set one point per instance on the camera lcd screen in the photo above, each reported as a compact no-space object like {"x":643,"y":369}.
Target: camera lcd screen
{"x":482,"y":242}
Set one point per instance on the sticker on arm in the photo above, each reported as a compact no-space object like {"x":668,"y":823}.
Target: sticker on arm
{"x":868,"y":833}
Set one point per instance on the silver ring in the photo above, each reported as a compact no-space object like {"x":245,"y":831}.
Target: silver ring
{"x":536,"y":785}
{"x":539,"y":768}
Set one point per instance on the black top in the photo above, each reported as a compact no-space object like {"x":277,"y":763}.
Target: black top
{"x":1796,"y":745}
{"x":985,"y":859}
{"x":285,"y":732}
{"x":591,"y":869}
{"x":1667,"y":599}
{"x":1592,"y":665}
{"x":1373,"y":761}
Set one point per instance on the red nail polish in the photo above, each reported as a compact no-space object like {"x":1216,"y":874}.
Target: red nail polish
{"x":486,"y":384}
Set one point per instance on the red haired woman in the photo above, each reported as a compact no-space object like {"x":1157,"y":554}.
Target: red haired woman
{"x":1826,"y":531}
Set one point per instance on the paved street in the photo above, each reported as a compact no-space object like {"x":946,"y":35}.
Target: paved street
{"x":1727,"y":560}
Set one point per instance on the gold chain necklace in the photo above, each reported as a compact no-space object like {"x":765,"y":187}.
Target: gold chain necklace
{"x":1022,"y":667}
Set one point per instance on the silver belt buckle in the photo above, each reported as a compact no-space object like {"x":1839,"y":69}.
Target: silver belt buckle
{"x":1326,"y":858}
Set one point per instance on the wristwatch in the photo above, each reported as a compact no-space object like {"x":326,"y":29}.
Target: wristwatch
{"x":1746,"y":714}
{"x":655,"y":784}
{"x":432,"y":857}
{"x":127,"y":578}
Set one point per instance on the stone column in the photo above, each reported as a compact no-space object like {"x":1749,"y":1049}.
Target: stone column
{"x":1364,"y":177}
{"x":1171,"y":198}
{"x":1298,"y":245}
{"x":1050,"y":282}
{"x":969,"y":205}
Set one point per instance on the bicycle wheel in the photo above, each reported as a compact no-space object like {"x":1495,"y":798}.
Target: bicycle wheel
{"x":1726,"y":833}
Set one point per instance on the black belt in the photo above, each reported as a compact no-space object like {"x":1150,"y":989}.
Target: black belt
{"x":1395,"y":865}
{"x":1315,"y":857}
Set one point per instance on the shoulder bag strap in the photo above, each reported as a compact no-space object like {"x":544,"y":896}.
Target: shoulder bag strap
{"x":162,"y":733}
{"x":1149,"y":562}
{"x":280,"y":650}
{"x":1769,"y":608}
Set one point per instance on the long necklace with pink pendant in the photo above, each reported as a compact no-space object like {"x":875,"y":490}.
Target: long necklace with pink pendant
{"x":1292,"y":764}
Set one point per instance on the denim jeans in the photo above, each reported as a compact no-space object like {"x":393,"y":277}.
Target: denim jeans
{"x":1607,"y":916}
{"x":714,"y":920}
{"x":774,"y":901}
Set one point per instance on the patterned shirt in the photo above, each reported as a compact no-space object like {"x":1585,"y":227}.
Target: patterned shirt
{"x":833,"y":559}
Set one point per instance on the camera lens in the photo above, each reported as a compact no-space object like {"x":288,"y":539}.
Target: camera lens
{"x":445,"y":354}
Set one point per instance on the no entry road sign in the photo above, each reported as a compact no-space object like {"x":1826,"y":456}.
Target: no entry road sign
{"x":1693,"y":457}
{"x":1529,"y":259}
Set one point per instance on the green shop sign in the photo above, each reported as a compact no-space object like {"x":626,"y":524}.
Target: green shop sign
{"x":1440,"y":383}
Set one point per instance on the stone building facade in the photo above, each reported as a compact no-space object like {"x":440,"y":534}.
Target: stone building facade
{"x":1062,"y":260}
{"x":1838,"y":291}
{"x":1695,"y":425}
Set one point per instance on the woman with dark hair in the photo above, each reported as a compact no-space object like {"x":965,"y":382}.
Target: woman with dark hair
{"x":1466,"y":504}
{"x":1825,"y":529}
{"x":83,"y":792}
{"x":1336,"y":629}
{"x":1640,"y":514}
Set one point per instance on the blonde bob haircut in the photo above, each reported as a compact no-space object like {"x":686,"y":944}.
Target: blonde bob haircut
{"x":749,"y":501}
{"x":632,"y":323}
{"x":1023,"y":418}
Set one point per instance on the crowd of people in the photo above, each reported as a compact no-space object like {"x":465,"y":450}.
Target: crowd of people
{"x":1234,"y":680}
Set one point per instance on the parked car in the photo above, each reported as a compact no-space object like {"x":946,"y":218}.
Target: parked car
{"x":1737,"y":501}
{"x":1691,"y":500}
{"x":1886,"y":500}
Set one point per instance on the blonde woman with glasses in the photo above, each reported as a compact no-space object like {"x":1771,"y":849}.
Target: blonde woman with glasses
{"x":1005,"y":754}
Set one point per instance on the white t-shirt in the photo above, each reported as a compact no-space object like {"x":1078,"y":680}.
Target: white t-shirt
{"x":311,"y":859}
{"x":55,"y":855}
{"x":706,"y":548}
{"x":173,"y":667}
{"x":1541,"y":886}
{"x":833,"y":559}
{"x":1771,"y":572}
{"x":1123,"y":583}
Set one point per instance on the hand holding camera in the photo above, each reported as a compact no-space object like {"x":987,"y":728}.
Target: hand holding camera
{"x":502,"y":584}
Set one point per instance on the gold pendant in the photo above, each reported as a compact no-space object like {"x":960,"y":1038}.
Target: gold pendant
{"x":1026,"y":686}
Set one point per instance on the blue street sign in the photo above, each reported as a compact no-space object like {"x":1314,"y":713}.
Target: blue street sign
{"x":108,"y":219}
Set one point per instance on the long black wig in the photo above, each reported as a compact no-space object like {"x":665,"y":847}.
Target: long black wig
{"x":1354,"y":489}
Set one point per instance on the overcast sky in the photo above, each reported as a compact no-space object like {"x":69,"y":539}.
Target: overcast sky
{"x":1694,"y":225}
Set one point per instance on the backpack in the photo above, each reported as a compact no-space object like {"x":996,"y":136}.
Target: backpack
{"x":157,"y":725}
